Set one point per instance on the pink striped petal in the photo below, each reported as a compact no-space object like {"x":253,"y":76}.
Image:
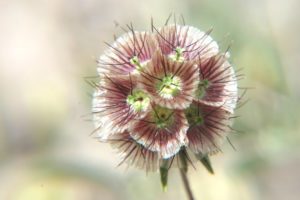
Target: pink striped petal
{"x":111,"y":110}
{"x":218,"y":83}
{"x":161,"y":130}
{"x":208,"y":127}
{"x":191,"y":41}
{"x":134,"y":154}
{"x":127,"y":53}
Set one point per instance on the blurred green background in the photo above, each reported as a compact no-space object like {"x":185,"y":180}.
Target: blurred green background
{"x":48,"y":47}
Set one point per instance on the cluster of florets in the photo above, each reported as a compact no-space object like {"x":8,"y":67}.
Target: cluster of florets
{"x":164,"y":93}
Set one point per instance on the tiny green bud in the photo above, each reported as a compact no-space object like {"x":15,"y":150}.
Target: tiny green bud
{"x":193,"y":116}
{"x":203,"y":85}
{"x":136,"y":62}
{"x":169,"y":86}
{"x":178,"y":56}
{"x":162,"y":117}
{"x":138,"y":100}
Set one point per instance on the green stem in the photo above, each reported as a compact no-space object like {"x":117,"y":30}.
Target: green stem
{"x":186,"y":184}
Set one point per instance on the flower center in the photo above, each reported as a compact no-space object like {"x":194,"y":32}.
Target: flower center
{"x":162,"y":117}
{"x":194,"y":116}
{"x":169,"y":87}
{"x":202,"y":87}
{"x":138,"y":100}
{"x":178,"y":55}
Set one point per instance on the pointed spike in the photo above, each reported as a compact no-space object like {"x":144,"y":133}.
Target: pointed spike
{"x":164,"y":169}
{"x":207,"y":164}
{"x":164,"y":178}
{"x":204,"y":159}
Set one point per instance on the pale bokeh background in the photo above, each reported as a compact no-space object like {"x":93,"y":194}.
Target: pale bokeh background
{"x":48,"y":47}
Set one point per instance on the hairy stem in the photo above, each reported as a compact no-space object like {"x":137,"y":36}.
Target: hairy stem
{"x":186,"y":184}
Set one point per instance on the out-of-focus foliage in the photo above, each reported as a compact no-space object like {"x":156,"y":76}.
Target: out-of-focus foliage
{"x":48,"y":47}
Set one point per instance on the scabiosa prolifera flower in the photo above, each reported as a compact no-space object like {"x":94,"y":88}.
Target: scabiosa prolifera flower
{"x":165,"y":95}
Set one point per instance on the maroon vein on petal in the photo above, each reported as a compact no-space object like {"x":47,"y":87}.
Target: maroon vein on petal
{"x":134,"y":154}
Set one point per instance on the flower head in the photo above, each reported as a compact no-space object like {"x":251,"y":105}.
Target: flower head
{"x":163,"y":95}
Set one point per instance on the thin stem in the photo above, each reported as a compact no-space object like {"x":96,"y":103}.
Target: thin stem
{"x":186,"y":184}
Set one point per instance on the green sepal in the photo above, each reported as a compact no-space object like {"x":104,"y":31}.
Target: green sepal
{"x":164,"y":170}
{"x":183,"y":160}
{"x":204,"y":159}
{"x":164,"y":178}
